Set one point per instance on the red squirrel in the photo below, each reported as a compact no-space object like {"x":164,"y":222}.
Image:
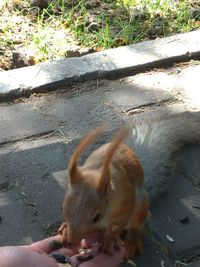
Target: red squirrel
{"x":108,"y":192}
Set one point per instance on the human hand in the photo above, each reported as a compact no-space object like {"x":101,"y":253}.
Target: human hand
{"x":38,"y":255}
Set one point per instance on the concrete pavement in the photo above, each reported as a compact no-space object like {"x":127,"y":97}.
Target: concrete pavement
{"x":38,"y":135}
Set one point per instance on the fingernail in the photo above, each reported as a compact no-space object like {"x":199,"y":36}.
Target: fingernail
{"x":60,"y":258}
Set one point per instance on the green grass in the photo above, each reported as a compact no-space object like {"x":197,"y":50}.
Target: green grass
{"x":49,"y":33}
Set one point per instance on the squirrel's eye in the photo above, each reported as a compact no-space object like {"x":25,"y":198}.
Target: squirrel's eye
{"x":96,"y":218}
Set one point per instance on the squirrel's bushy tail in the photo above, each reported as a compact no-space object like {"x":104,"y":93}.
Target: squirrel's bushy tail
{"x":157,"y":140}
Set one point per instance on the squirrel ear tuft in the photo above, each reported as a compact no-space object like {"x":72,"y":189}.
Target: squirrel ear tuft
{"x":105,"y":179}
{"x":74,"y":172}
{"x":104,"y":182}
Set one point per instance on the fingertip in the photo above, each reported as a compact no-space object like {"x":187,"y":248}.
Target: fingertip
{"x":44,"y":245}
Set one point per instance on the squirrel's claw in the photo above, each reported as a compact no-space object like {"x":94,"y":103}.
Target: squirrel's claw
{"x":133,"y":242}
{"x":108,"y":244}
{"x":62,"y":228}
{"x":63,"y":232}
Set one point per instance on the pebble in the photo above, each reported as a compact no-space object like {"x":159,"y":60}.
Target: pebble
{"x":169,"y":238}
{"x":39,"y":3}
{"x":185,"y":220}
{"x":20,"y":60}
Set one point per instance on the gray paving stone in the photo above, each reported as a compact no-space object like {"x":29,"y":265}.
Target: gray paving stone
{"x":18,"y":224}
{"x":36,"y":172}
{"x":154,"y":255}
{"x":194,"y":264}
{"x":89,"y":104}
{"x":126,"y":94}
{"x":79,"y":114}
{"x":20,"y":121}
{"x":72,"y":115}
{"x":181,"y":82}
{"x":190,"y":168}
{"x":119,"y":61}
{"x":177,"y":205}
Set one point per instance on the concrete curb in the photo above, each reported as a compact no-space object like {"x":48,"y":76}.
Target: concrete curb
{"x":113,"y":62}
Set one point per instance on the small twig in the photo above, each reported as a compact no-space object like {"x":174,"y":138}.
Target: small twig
{"x":180,"y":263}
{"x":196,"y":207}
{"x":197,"y":188}
{"x":169,"y":219}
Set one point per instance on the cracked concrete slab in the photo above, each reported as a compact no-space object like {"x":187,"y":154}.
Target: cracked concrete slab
{"x":180,"y":81}
{"x":20,"y":121}
{"x":18,"y":225}
{"x":77,"y":114}
{"x":89,"y":104}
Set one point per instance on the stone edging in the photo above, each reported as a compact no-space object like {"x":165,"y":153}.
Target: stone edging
{"x":113,"y":62}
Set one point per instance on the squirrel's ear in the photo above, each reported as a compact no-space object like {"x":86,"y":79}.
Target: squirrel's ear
{"x":74,"y":172}
{"x":105,"y":180}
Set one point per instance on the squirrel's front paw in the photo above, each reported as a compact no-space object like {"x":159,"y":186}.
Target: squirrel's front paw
{"x":108,"y":244}
{"x":63,"y":232}
{"x":133,"y":241}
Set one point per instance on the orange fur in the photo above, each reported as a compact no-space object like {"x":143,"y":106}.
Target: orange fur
{"x":106,"y":194}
